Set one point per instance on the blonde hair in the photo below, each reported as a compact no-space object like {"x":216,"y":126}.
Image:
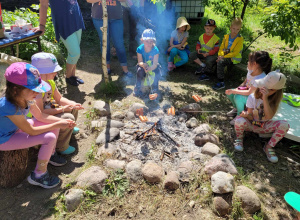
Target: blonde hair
{"x":237,"y":22}
{"x":274,"y":99}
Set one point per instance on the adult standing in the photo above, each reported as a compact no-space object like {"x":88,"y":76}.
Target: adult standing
{"x":68,"y":24}
{"x":115,"y":30}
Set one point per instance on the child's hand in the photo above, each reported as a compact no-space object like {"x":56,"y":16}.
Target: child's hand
{"x":219,"y":58}
{"x":244,"y":114}
{"x":205,"y":54}
{"x":78,"y":106}
{"x":67,"y":123}
{"x":265,"y":92}
{"x":228,"y":92}
{"x":145,"y":66}
{"x":67,"y":108}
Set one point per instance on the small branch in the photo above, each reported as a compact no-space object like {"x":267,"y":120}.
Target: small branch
{"x":253,"y":41}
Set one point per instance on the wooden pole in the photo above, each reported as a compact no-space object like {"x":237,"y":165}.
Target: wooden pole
{"x":104,"y":41}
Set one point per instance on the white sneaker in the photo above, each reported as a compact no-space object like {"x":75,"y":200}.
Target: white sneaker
{"x":238,"y":145}
{"x":232,"y":113}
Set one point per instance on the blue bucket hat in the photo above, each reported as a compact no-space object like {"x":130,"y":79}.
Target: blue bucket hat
{"x":148,"y":34}
{"x":45,"y":63}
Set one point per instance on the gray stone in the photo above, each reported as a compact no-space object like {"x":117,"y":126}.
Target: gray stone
{"x":118,"y":115}
{"x":106,"y":123}
{"x":117,"y":103}
{"x":108,"y":135}
{"x":203,"y":137}
{"x":182,"y":117}
{"x":136,"y":106}
{"x":202,"y":128}
{"x":191,"y":107}
{"x":115,"y":164}
{"x":210,"y":149}
{"x":152,"y":172}
{"x":101,"y":108}
{"x":73,"y":198}
{"x":171,"y":181}
{"x":192,"y":123}
{"x":222,"y":182}
{"x":130,"y":115}
{"x":223,"y":203}
{"x":184,"y":170}
{"x":220,"y":162}
{"x":93,"y":178}
{"x":250,"y":201}
{"x":107,"y":149}
{"x":134,"y":170}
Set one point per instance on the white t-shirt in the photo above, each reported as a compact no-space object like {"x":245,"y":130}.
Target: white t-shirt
{"x":179,"y":36}
{"x":258,"y":107}
{"x":250,"y":78}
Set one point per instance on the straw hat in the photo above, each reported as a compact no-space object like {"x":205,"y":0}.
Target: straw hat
{"x":181,"y":21}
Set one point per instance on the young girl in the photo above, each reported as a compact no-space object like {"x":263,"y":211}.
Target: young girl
{"x":178,"y":44}
{"x":52,"y":102}
{"x":23,"y":84}
{"x":147,"y":68}
{"x":259,"y":65}
{"x":262,"y":106}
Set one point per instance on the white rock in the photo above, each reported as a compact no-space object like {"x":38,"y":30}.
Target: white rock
{"x":101,"y":108}
{"x":222,"y":182}
{"x":115,"y":164}
{"x":210,"y":149}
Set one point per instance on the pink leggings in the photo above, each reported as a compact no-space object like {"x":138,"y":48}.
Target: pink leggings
{"x":22,"y":140}
{"x":278,"y":128}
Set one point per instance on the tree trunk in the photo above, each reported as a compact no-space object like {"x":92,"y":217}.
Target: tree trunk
{"x":104,"y":40}
{"x":13,"y":166}
{"x":244,"y":8}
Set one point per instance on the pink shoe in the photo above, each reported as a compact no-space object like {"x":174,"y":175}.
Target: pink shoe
{"x":171,"y":66}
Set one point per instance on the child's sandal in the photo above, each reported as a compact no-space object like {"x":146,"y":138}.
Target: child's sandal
{"x":271,"y":154}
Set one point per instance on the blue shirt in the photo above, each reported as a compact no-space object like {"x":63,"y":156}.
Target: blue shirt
{"x":147,"y":56}
{"x":7,"y":127}
{"x":230,"y":41}
{"x":66,"y":17}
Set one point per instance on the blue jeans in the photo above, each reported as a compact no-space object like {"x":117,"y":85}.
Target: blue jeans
{"x":183,"y":55}
{"x":115,"y":32}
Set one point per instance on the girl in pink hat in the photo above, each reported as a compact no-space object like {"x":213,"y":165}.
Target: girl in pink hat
{"x":23,"y":84}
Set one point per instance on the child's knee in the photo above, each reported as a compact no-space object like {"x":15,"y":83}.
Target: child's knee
{"x":49,"y":138}
{"x":284,"y":126}
{"x":173,"y":51}
{"x":240,"y":121}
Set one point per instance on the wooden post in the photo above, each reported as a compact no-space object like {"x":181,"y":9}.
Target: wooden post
{"x":13,"y":166}
{"x":104,"y":40}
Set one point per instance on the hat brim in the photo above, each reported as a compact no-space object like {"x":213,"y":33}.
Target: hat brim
{"x":149,"y":38}
{"x":46,"y":70}
{"x":43,"y":87}
{"x":259,"y":83}
{"x":210,"y":25}
{"x":293,"y":199}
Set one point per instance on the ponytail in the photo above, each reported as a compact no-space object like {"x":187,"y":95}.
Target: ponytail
{"x":263,"y":59}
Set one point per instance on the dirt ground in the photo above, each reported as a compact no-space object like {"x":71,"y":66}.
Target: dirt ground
{"x":143,"y":201}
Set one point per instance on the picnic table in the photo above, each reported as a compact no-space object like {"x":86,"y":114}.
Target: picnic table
{"x":12,"y":39}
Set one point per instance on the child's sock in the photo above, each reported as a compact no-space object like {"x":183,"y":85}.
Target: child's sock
{"x":203,"y":64}
{"x":38,"y":174}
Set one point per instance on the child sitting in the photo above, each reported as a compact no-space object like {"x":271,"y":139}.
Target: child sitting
{"x":206,"y":49}
{"x":262,"y":106}
{"x":148,"y":69}
{"x":178,"y":44}
{"x":52,"y":102}
{"x":259,"y":64}
{"x":23,"y":84}
{"x":230,"y":51}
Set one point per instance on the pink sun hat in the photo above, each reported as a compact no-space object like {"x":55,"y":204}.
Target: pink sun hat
{"x":24,"y":74}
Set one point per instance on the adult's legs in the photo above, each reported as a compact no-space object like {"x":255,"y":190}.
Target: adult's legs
{"x":98,"y":23}
{"x":117,"y":27}
{"x":72,"y":43}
